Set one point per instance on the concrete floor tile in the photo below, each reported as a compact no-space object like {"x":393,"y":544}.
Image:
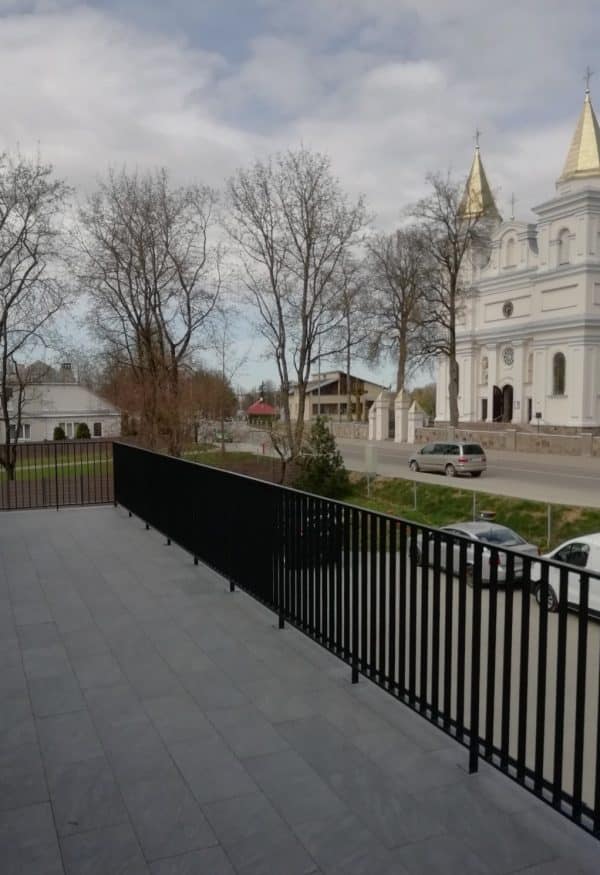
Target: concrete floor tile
{"x":102,"y":851}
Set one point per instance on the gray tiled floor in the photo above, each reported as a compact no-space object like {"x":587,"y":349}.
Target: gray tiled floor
{"x":153,"y":722}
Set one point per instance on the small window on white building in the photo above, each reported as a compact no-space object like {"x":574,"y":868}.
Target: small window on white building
{"x":97,"y":429}
{"x":530,"y":368}
{"x":24,"y":431}
{"x":564,"y":247}
{"x":484,"y":370}
{"x":69,"y":431}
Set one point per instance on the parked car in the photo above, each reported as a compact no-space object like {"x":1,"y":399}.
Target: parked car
{"x":582,"y":553}
{"x":487,"y":533}
{"x":450,"y":458}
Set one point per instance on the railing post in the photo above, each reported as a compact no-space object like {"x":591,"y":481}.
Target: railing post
{"x":56,"y":473}
{"x":475,"y":659}
{"x":354,"y":596}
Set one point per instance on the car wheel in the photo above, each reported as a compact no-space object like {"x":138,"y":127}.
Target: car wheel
{"x":552,"y":601}
{"x":450,"y":471}
{"x":475,"y":473}
{"x":413,"y":465}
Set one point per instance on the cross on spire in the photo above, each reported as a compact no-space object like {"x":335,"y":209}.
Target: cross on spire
{"x":513,"y":201}
{"x":588,"y":75}
{"x":476,"y":138}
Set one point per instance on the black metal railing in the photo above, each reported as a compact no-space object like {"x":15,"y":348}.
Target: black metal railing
{"x":56,"y":474}
{"x":463,"y":633}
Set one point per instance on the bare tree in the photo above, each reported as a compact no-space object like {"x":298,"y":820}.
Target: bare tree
{"x":399,"y":267}
{"x":230,"y":360}
{"x":356,"y":324}
{"x":455,"y":237}
{"x":145,"y":257}
{"x":32,"y":283}
{"x":292,"y":224}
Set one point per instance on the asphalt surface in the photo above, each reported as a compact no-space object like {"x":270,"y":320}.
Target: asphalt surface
{"x":552,"y":478}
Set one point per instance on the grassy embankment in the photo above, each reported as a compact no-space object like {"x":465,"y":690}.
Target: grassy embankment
{"x":438,"y":504}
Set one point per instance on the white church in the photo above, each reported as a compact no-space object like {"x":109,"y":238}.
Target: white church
{"x":529,"y":337}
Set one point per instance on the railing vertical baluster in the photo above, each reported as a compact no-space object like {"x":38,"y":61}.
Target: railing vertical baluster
{"x":376,"y":592}
{"x":364,"y":590}
{"x":56,"y":473}
{"x":412,"y":618}
{"x":355,"y":644}
{"x":507,"y":664}
{"x":475,"y":659}
{"x":346,"y":650}
{"x":540,"y":714}
{"x":464,"y":570}
{"x":424,"y":635}
{"x":447,"y":544}
{"x":579,"y":741}
{"x":435,"y":630}
{"x":490,"y":684}
{"x":524,"y":671}
{"x":387,"y":628}
{"x":561,"y":670}
{"x":402,"y":559}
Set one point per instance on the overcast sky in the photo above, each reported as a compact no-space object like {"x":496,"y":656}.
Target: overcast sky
{"x":390,"y":89}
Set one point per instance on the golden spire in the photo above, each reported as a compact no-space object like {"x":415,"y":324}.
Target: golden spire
{"x":584,"y":155}
{"x":478,"y":199}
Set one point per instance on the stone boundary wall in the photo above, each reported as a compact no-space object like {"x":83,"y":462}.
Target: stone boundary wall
{"x":358,"y":430}
{"x":511,"y":439}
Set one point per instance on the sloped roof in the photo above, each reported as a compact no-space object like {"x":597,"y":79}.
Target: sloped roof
{"x":584,"y":153}
{"x":478,"y":199}
{"x":261,"y":408}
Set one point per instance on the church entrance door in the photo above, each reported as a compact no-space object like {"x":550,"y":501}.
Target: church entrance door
{"x":507,"y":403}
{"x":498,"y":405}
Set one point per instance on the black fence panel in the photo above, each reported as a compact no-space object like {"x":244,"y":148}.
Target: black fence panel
{"x":500,"y":649}
{"x":56,"y":474}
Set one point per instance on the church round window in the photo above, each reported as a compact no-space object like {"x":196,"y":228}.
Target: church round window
{"x":508,"y":308}
{"x":508,"y":355}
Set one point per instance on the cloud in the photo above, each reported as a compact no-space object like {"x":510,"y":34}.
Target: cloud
{"x":390,"y":90}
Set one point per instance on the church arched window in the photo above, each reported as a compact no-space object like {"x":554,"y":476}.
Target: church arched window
{"x":564,"y":255}
{"x":530,"y":368}
{"x":484,"y":370}
{"x":510,"y":255}
{"x":559,"y":368}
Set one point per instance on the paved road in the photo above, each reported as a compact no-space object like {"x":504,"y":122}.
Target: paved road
{"x":556,"y":479}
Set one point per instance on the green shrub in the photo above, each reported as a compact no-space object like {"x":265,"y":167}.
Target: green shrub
{"x":322,"y":468}
{"x":59,"y":434}
{"x":83,"y":432}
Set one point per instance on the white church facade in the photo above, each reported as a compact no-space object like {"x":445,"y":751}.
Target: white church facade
{"x":528,"y":340}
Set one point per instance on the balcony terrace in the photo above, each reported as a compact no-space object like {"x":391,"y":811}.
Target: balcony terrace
{"x":152,"y":721}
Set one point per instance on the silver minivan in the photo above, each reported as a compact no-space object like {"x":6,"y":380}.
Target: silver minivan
{"x":450,"y":458}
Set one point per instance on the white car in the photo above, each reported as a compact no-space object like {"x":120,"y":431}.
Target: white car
{"x":583,"y":553}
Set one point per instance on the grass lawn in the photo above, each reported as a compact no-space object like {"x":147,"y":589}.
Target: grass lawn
{"x":442,"y":505}
{"x":45,"y":469}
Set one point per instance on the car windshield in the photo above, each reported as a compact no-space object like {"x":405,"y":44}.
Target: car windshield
{"x":500,"y":535}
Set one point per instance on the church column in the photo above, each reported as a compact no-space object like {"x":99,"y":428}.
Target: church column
{"x":466,"y":401}
{"x":492,"y":354}
{"x":540,"y":384}
{"x":519,"y":411}
{"x":579,"y":384}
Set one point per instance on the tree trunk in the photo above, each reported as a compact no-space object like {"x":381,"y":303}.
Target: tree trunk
{"x":453,"y":390}
{"x":401,"y":364}
{"x":348,"y":382}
